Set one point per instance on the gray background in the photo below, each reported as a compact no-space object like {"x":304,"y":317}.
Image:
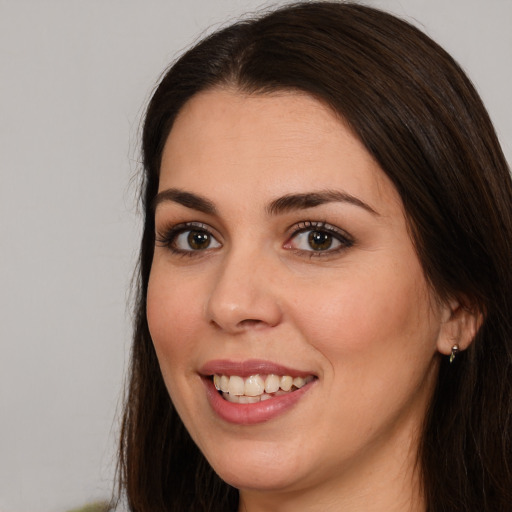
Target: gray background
{"x":75,"y":75}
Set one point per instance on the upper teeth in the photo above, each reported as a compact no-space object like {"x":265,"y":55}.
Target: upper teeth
{"x":257,"y":385}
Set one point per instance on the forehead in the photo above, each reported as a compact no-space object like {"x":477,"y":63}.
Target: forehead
{"x":273,"y":144}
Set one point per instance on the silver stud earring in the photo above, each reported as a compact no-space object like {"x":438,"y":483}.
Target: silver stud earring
{"x":455,"y":350}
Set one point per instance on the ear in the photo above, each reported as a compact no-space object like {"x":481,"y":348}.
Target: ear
{"x":459,"y":326}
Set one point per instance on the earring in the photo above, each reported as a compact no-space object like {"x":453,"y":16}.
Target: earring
{"x":455,"y":350}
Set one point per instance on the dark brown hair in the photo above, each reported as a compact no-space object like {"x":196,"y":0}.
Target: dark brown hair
{"x":422,"y":120}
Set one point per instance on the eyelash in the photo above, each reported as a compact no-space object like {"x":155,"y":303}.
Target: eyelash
{"x":169,"y":238}
{"x":342,"y":237}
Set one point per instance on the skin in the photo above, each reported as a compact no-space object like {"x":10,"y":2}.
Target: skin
{"x":362,"y":319}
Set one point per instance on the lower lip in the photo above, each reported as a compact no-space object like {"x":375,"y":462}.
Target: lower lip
{"x":250,"y":414}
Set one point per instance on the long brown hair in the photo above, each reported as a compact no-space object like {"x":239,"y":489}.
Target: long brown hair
{"x":420,"y":117}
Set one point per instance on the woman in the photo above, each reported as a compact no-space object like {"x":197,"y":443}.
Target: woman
{"x":324,"y":309}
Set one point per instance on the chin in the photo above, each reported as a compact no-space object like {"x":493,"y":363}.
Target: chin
{"x":257,"y":478}
{"x":263,"y":468}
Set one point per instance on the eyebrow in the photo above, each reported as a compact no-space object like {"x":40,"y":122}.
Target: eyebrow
{"x":187,"y":199}
{"x":292,"y":202}
{"x":287,"y":203}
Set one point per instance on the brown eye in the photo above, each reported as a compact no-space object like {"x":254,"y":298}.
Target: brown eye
{"x":320,"y":240}
{"x":191,"y":240}
{"x":316,"y":240}
{"x":198,"y":240}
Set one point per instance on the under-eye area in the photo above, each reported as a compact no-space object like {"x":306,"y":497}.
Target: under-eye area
{"x":257,"y":388}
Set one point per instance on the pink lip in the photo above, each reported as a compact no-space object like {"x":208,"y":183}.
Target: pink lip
{"x":250,"y":414}
{"x":259,"y":412}
{"x":248,"y":368}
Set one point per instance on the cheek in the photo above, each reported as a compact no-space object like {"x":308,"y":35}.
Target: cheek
{"x":368,"y":316}
{"x":172,"y":313}
{"x":378,"y":342}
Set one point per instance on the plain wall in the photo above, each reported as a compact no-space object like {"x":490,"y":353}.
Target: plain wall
{"x":74,"y":78}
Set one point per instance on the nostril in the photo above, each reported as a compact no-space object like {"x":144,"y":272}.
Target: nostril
{"x":242,"y":309}
{"x":249,"y":323}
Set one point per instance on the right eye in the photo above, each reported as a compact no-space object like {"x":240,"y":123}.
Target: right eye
{"x":188,"y":239}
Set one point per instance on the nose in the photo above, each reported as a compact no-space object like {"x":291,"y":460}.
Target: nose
{"x":243,"y":296}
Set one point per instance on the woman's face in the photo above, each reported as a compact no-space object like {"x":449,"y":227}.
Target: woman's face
{"x":282,"y":251}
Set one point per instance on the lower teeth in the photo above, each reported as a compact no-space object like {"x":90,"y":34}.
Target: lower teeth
{"x":243,"y":399}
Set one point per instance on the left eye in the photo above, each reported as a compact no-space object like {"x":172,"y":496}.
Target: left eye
{"x":315,"y":240}
{"x":318,"y":239}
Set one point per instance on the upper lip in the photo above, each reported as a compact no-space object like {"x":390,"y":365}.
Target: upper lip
{"x":249,"y":367}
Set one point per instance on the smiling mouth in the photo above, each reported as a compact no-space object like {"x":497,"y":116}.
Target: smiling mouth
{"x":257,"y":388}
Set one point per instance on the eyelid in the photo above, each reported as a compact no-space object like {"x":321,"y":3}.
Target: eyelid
{"x":343,"y":237}
{"x":306,"y":225}
{"x":166,"y":235}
